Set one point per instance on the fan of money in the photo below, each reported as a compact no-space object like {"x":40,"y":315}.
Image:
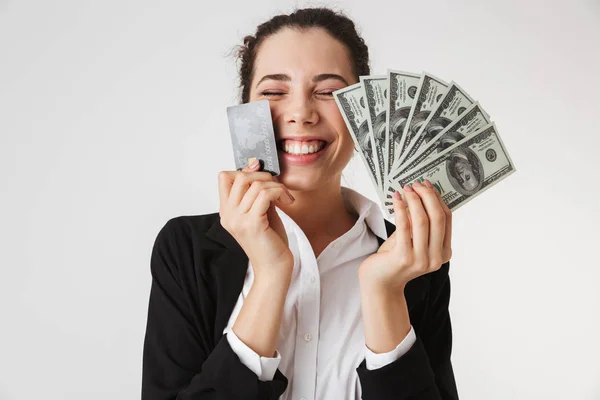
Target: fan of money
{"x":410,"y":127}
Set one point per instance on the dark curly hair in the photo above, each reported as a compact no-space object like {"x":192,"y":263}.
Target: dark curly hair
{"x":335,"y":23}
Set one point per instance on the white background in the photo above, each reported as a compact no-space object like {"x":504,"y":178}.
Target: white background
{"x":112,"y":121}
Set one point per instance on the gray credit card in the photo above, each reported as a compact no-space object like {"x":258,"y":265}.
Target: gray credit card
{"x":252,"y":135}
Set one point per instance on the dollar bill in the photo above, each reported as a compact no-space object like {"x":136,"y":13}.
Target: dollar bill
{"x":376,"y":96}
{"x":429,"y":93}
{"x":470,"y":122}
{"x":466,"y":169}
{"x":402,"y":92}
{"x":352,"y":105}
{"x":453,"y":104}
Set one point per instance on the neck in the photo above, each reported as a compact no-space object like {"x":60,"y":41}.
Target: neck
{"x":321,"y":214}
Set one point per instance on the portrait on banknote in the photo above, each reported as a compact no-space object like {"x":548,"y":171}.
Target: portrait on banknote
{"x":379,"y":128}
{"x":434,"y":127}
{"x":448,"y":139}
{"x":398,"y":122}
{"x":417,"y":122}
{"x":363,"y":137}
{"x":465,"y":171}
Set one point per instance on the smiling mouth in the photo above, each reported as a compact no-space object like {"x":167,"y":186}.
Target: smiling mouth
{"x":297,"y":147}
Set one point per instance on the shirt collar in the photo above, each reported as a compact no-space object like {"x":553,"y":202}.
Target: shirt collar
{"x":365,"y":208}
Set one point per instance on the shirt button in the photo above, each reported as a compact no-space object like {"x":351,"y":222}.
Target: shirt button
{"x":313,"y":279}
{"x":308,"y":337}
{"x":336,"y":245}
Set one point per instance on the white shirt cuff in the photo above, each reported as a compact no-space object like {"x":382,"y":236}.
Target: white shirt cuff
{"x":263,"y":367}
{"x":375,"y":360}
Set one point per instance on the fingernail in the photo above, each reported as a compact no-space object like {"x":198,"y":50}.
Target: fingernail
{"x":290,"y":196}
{"x":428,"y":184}
{"x":408,"y":188}
{"x":254,"y":163}
{"x":417,"y":184}
{"x":397,"y":195}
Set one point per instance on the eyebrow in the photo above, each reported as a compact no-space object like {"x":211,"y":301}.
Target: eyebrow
{"x":316,"y":78}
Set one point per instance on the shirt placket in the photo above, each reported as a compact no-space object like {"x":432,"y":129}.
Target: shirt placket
{"x":309,"y":304}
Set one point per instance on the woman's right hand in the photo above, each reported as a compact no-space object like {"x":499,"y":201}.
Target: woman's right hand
{"x":247,"y":210}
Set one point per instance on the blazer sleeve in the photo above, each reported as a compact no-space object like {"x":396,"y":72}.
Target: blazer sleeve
{"x":425,"y":371}
{"x":179,"y":358}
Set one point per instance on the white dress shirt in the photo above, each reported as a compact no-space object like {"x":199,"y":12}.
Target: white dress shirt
{"x":321,"y":339}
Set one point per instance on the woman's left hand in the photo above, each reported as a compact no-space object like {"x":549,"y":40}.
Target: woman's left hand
{"x":428,"y":221}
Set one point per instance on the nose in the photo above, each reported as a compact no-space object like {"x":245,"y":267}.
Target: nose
{"x":301,"y":111}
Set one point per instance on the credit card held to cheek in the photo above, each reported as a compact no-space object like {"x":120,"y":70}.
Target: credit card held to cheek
{"x":252,"y":135}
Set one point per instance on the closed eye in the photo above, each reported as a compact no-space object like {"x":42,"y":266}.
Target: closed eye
{"x":271,"y":93}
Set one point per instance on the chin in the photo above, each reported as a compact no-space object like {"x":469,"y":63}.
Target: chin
{"x":300,"y":182}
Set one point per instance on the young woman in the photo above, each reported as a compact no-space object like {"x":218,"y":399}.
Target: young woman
{"x":298,"y":288}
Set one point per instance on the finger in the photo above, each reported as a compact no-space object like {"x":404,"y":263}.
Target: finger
{"x":419,"y":221}
{"x":252,"y":166}
{"x":264,"y":199}
{"x":436,"y":216}
{"x":255,"y":188}
{"x":242,"y":183}
{"x":226,"y":179}
{"x":448,"y":213}
{"x":402,"y":232}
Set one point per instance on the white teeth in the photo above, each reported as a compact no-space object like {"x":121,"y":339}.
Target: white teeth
{"x":301,"y":149}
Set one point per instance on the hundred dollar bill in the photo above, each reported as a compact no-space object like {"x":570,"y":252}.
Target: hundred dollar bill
{"x":402,"y":92}
{"x":452,"y":105}
{"x":429,"y":93}
{"x":375,"y":92}
{"x":351,"y":103}
{"x":466,"y":169}
{"x":470,"y":122}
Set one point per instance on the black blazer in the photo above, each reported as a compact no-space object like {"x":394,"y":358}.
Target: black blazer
{"x":198,"y":270}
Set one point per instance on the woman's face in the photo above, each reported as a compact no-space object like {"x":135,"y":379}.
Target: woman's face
{"x":297,"y":71}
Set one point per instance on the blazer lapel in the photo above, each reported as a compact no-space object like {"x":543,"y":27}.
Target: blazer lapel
{"x":228,"y":271}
